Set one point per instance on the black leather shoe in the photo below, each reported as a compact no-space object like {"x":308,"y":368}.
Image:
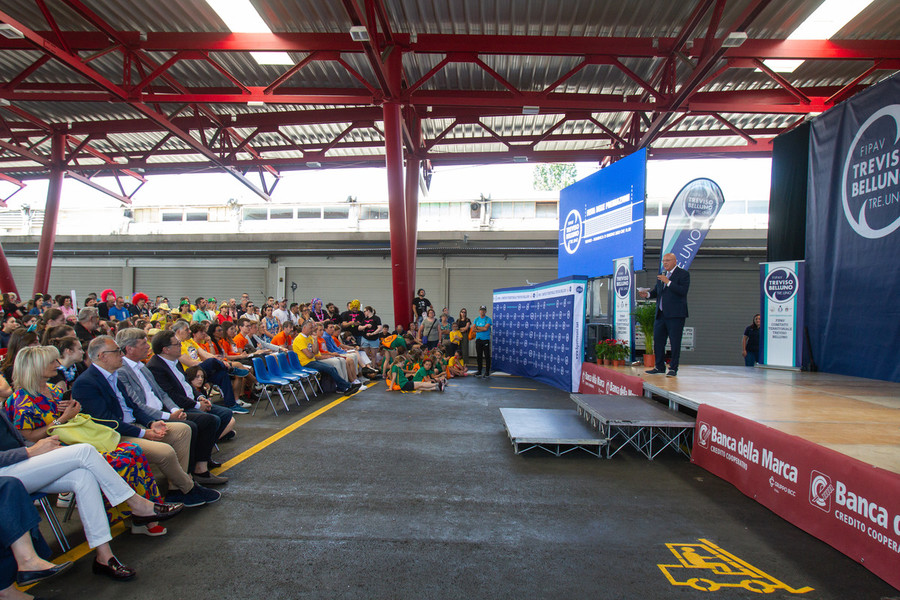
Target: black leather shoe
{"x":114,"y":570}
{"x":655,"y":372}
{"x":672,"y":373}
{"x":161,"y":512}
{"x":29,"y":577}
{"x":213,"y":464}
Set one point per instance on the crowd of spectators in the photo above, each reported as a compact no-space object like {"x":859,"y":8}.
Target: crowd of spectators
{"x":170,"y":378}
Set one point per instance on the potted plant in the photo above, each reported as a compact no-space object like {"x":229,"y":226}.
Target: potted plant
{"x":620,"y":353}
{"x":601,"y":351}
{"x":644,"y":317}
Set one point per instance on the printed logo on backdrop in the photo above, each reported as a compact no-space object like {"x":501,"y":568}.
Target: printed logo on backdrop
{"x":781,"y":285}
{"x":703,"y":434}
{"x":572,"y":230}
{"x":622,"y":281}
{"x":820,"y":490}
{"x":870,"y":186}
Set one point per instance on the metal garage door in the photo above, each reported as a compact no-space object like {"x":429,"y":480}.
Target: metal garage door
{"x":470,"y":288}
{"x":64,"y":279}
{"x":371,"y":285}
{"x":219,"y":282}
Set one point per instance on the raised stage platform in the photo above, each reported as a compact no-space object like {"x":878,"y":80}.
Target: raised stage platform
{"x":856,"y":417}
{"x":802,"y":444}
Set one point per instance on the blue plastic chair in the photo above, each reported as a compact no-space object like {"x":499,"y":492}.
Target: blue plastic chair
{"x":276,"y":372}
{"x":295,"y":363}
{"x":284,"y":366}
{"x":264,"y":378}
{"x":55,"y":525}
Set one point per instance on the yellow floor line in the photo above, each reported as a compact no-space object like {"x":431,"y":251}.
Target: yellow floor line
{"x":508,"y":388}
{"x":82,"y":550}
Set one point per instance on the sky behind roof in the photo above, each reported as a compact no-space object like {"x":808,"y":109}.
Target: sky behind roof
{"x":740,"y":179}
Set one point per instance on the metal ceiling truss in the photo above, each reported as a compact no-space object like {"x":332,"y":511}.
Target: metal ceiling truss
{"x":192,"y":128}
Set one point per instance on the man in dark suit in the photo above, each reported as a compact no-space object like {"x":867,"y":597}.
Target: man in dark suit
{"x":141,"y":386}
{"x":167,"y":370}
{"x":166,"y":445}
{"x":671,"y":310}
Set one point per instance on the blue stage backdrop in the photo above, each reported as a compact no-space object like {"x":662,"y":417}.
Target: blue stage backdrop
{"x":601,"y":218}
{"x":852,"y":237}
{"x":538,"y":331}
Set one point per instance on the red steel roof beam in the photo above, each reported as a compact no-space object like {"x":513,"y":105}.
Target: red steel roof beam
{"x":784,"y":83}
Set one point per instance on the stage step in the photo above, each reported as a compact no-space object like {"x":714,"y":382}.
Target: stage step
{"x":643,"y":424}
{"x":553,"y":430}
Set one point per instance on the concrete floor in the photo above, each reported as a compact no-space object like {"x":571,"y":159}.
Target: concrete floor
{"x":393,"y":495}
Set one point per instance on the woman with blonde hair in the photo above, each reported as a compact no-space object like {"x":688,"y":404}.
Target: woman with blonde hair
{"x":37,"y":405}
{"x":48,"y":467}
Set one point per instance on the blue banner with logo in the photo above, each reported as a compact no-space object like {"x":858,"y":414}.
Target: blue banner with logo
{"x":852,"y":237}
{"x":781,"y":326}
{"x":690,"y":216}
{"x":623,"y":301}
{"x":538,"y":331}
{"x":601,"y":217}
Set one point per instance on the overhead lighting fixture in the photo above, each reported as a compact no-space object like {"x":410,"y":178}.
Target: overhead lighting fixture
{"x":256,"y":103}
{"x":824,"y":22}
{"x":272,"y":58}
{"x":8,"y":31}
{"x":314,"y":164}
{"x":520,"y":159}
{"x":531,"y":110}
{"x":241,"y":17}
{"x":4,"y":102}
{"x":734,"y":39}
{"x":358,"y":33}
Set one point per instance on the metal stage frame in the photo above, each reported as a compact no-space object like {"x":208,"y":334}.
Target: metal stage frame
{"x":557,"y":431}
{"x":634,"y":421}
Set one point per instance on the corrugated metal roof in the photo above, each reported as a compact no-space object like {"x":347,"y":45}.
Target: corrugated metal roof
{"x":467,"y":82}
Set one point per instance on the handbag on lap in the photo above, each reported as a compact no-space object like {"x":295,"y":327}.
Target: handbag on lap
{"x":84,"y":429}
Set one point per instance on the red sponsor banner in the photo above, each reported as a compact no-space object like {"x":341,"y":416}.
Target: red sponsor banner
{"x":608,"y":382}
{"x":844,"y":502}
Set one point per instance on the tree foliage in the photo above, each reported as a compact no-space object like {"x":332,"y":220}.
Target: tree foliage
{"x":554,"y":177}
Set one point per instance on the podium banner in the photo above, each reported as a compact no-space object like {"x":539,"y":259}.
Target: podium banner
{"x":538,"y":331}
{"x":781,"y":330}
{"x":623,"y":301}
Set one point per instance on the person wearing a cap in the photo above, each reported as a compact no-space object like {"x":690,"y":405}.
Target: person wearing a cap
{"x":202,"y":314}
{"x":482,"y":326}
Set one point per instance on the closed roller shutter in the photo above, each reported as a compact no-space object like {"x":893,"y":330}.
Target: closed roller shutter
{"x":470,"y":288}
{"x":219,"y":282}
{"x":371,"y":285}
{"x":64,"y":279}
{"x":723,"y":298}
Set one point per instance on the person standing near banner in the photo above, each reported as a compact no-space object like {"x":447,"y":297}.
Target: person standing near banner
{"x":671,"y":311}
{"x":750,"y":342}
{"x":482,"y":326}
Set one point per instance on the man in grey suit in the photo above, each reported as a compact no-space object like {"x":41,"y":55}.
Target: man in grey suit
{"x":145,"y":391}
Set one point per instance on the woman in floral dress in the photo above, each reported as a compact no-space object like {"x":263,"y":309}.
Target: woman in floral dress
{"x":36,"y":405}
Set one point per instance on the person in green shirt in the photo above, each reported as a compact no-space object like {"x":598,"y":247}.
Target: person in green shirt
{"x":399,"y":378}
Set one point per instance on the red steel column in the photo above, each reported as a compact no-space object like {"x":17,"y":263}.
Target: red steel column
{"x":412,"y":215}
{"x":51,"y":212}
{"x":7,"y":283}
{"x":393,"y":152}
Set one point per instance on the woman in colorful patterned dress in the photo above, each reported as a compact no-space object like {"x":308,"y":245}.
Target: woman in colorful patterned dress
{"x":36,"y":405}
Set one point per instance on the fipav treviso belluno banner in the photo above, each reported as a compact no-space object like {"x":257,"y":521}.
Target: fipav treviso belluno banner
{"x":690,"y":216}
{"x":781,"y":329}
{"x":853,"y":235}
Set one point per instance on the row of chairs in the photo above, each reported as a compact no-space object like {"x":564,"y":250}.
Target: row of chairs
{"x":276,"y":372}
